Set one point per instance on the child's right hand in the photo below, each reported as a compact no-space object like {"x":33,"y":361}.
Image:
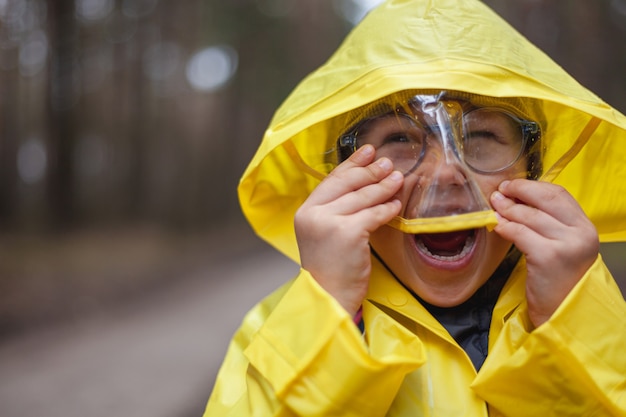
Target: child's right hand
{"x":333,"y":225}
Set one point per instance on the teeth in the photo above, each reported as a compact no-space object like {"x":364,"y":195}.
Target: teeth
{"x":466,"y":249}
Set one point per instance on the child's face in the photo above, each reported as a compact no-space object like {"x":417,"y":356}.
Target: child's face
{"x":454,"y":154}
{"x":444,"y":269}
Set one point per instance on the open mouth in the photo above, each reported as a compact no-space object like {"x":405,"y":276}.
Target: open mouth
{"x":449,"y":246}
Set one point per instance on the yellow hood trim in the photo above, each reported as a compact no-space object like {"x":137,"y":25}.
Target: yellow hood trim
{"x":458,"y":45}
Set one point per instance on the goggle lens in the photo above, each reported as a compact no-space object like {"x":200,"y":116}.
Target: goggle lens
{"x":492,"y":139}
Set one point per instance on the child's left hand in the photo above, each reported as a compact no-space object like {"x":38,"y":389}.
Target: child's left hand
{"x":560,"y":243}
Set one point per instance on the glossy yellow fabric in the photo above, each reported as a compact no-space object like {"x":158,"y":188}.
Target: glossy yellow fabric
{"x":298,"y":353}
{"x":436,"y":44}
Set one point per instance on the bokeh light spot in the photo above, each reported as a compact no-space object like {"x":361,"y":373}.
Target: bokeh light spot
{"x":91,"y":10}
{"x":32,"y":161}
{"x":211,"y":68}
{"x":354,"y":10}
{"x":33,"y":53}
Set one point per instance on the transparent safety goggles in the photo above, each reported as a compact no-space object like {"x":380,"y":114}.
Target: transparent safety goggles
{"x":444,"y":134}
{"x":492,"y":139}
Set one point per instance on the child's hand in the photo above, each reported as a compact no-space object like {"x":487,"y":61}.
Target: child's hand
{"x":560,"y":243}
{"x":333,"y":225}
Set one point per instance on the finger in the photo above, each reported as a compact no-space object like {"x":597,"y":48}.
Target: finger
{"x":524,"y":238}
{"x":351,"y":175}
{"x":521,"y":213}
{"x":360,"y":158}
{"x":369,"y":195}
{"x":551,"y":199}
{"x":373,"y":217}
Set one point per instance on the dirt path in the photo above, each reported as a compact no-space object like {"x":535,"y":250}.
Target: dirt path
{"x":156,"y":358}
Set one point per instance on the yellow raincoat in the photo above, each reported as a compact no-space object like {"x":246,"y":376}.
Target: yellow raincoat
{"x":298,"y":353}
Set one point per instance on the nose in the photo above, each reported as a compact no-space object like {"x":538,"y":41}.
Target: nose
{"x":451,"y":174}
{"x":441,"y":165}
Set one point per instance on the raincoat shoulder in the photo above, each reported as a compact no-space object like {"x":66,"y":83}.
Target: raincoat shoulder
{"x":568,"y":366}
{"x":298,"y":353}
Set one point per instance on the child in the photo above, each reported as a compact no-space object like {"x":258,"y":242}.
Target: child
{"x":439,"y":276}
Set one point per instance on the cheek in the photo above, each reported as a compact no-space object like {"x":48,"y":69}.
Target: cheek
{"x":389,"y":244}
{"x":411,"y":189}
{"x":495,"y":251}
{"x":489,"y":183}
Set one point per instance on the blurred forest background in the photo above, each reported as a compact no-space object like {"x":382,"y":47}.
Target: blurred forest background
{"x":125,"y":125}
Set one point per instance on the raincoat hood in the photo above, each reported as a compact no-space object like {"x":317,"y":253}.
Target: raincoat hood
{"x":452,"y":45}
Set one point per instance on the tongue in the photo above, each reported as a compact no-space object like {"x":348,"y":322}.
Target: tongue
{"x":446,"y":242}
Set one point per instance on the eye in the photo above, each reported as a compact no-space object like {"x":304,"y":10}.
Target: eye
{"x":484,"y":135}
{"x":485,"y":126}
{"x":403,"y":137}
{"x":492,"y":139}
{"x":391,"y":130}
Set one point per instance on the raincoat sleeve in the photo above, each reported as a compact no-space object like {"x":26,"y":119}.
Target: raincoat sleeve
{"x":572,"y":365}
{"x":305,"y":356}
